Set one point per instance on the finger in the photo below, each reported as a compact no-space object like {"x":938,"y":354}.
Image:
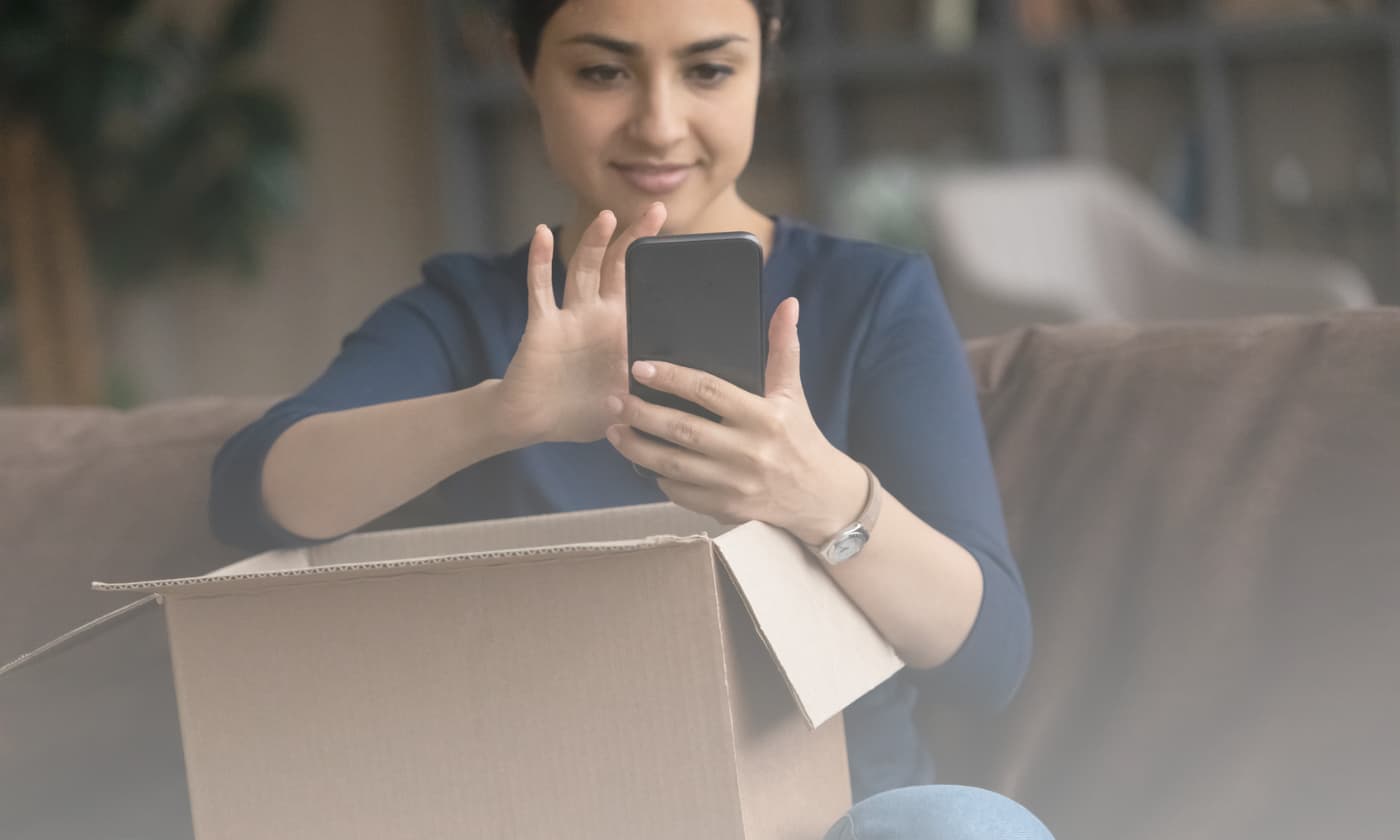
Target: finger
{"x":614,"y":282}
{"x":539,"y":275}
{"x":667,"y":461}
{"x":783,"y":375}
{"x":706,"y":390}
{"x":682,"y":428}
{"x":702,"y":500}
{"x":586,"y":265}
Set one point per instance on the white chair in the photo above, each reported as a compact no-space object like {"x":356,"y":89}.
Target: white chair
{"x":1074,"y":242}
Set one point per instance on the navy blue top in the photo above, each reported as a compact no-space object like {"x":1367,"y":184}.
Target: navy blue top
{"x":887,"y":382}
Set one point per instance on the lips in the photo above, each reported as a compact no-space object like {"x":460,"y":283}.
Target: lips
{"x":654,"y":179}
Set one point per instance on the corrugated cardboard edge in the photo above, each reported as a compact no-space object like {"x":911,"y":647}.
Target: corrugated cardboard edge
{"x":632,"y":522}
{"x":229,"y":579}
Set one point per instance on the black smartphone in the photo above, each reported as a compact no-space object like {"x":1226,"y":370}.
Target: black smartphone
{"x":697,"y":300}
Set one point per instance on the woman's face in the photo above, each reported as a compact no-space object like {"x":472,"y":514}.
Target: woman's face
{"x":647,"y":100}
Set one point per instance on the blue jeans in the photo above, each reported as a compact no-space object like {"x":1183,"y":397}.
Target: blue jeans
{"x":938,"y":812}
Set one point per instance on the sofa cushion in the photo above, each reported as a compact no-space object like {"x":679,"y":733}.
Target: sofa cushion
{"x":1208,"y":520}
{"x":89,"y":739}
{"x":89,"y":494}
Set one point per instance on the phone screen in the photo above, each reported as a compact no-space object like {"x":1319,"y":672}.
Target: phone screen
{"x":697,"y":301}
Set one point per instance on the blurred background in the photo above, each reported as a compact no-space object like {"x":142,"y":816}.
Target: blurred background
{"x":202,"y":197}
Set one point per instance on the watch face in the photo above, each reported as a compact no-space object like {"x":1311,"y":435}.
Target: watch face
{"x":848,"y":546}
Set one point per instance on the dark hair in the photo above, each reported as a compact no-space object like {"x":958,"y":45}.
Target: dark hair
{"x":525,"y":19}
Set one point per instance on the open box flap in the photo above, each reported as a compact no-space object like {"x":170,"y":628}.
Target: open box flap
{"x":828,"y":651}
{"x":269,"y":561}
{"x":77,"y":633}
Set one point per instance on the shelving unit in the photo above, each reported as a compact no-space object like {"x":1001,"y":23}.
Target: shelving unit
{"x":1039,"y":100}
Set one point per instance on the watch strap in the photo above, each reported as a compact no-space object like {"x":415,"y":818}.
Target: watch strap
{"x":869,"y":514}
{"x":871,"y":511}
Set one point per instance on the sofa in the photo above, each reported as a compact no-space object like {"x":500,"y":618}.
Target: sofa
{"x":1207,"y":515}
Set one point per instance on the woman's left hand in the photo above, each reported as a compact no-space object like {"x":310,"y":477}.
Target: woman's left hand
{"x":766,"y":460}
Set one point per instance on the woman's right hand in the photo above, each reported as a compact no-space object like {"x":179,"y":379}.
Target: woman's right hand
{"x":572,"y":358}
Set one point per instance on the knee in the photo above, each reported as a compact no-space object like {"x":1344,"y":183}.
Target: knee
{"x":940,"y":812}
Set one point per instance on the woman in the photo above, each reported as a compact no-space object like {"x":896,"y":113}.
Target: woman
{"x":502,"y":381}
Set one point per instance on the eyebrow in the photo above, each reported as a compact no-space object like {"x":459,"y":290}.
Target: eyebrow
{"x":629,"y":49}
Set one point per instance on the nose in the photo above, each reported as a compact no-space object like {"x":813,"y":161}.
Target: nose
{"x":659,"y":119}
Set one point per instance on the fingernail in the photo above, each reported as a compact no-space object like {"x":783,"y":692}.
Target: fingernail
{"x":644,"y":370}
{"x":613,"y":404}
{"x":613,"y":435}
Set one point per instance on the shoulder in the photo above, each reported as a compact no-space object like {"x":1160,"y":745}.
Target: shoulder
{"x":460,"y":274}
{"x":458,"y":287}
{"x":826,"y":252}
{"x":456,"y":294}
{"x":880,"y":277}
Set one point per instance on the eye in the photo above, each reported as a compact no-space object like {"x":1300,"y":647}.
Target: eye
{"x":711,"y":74}
{"x":601,"y":74}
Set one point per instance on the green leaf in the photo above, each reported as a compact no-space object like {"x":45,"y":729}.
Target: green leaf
{"x":266,"y":116}
{"x":106,"y":17}
{"x":129,"y":85}
{"x":75,"y":98}
{"x":179,"y":164}
{"x":29,"y":35}
{"x":243,"y":27}
{"x":272,"y":181}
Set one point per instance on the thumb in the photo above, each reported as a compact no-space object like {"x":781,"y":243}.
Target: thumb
{"x":784,"y":371}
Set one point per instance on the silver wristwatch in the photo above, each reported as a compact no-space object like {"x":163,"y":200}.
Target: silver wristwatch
{"x":849,"y":541}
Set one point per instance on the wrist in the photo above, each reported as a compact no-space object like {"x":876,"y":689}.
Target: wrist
{"x":849,"y":487}
{"x":500,"y":432}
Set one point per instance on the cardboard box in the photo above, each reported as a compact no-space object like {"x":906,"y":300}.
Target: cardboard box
{"x":588,"y":675}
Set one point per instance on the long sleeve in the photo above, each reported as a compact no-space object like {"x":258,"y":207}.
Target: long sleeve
{"x":402,"y":351}
{"x":916,"y":423}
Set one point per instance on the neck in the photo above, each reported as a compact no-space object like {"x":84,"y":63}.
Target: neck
{"x":728,"y":212}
